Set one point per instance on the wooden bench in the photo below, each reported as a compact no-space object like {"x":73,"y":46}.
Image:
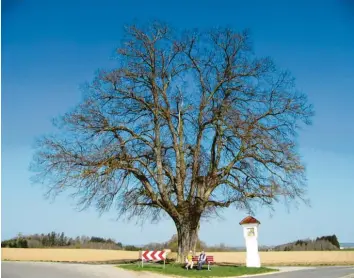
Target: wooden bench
{"x":209,"y":260}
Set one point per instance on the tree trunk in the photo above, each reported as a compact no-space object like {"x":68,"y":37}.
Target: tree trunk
{"x":187,"y":234}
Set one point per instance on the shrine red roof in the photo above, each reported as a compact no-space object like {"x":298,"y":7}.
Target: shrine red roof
{"x":249,"y":220}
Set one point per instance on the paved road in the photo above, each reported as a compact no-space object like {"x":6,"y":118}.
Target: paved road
{"x":314,"y":272}
{"x":58,"y":270}
{"x":64,"y":270}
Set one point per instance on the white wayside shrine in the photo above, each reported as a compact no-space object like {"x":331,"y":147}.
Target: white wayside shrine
{"x":250,"y":232}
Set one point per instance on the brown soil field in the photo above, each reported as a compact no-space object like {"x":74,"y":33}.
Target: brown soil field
{"x":93,"y":255}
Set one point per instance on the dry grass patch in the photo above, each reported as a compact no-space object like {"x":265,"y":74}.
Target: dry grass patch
{"x":235,"y":258}
{"x":67,"y":255}
{"x":288,"y":258}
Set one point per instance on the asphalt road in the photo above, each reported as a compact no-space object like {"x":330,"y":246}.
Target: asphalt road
{"x":60,"y":270}
{"x":317,"y":272}
{"x":64,"y":270}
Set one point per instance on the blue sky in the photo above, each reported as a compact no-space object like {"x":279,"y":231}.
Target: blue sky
{"x":49,"y":48}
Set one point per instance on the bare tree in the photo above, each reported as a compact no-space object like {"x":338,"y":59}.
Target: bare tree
{"x":186,"y":124}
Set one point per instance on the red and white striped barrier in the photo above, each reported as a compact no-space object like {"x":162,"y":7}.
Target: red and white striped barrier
{"x":154,"y":256}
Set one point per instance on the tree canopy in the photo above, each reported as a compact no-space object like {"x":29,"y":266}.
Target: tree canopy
{"x":186,"y":123}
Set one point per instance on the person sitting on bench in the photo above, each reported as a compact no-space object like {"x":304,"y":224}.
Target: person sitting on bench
{"x":189,"y":260}
{"x":201,"y":260}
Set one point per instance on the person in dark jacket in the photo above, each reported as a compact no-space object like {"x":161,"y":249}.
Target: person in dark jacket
{"x":201,"y":260}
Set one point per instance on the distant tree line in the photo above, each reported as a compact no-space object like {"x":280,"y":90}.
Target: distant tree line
{"x":172,"y":244}
{"x":59,"y":240}
{"x":319,"y":244}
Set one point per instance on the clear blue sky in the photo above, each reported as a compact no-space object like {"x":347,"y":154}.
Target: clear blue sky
{"x":49,"y":48}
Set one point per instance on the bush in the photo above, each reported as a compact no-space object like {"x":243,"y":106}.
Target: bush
{"x":131,"y":248}
{"x":15,"y":243}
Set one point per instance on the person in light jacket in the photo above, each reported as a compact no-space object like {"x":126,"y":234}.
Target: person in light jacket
{"x":189,"y":260}
{"x":201,"y":260}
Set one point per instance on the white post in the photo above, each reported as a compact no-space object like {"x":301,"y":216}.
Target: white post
{"x":250,"y":233}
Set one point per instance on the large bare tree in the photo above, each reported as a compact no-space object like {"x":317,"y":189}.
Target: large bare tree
{"x":186,"y":124}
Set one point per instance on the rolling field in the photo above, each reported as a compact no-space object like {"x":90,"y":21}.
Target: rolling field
{"x":94,"y":255}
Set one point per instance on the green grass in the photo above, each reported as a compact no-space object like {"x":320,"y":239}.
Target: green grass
{"x":179,"y":270}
